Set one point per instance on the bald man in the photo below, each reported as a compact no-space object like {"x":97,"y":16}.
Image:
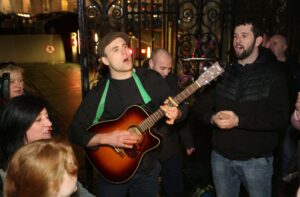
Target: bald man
{"x":161,"y":62}
{"x":170,"y":153}
{"x":278,"y":45}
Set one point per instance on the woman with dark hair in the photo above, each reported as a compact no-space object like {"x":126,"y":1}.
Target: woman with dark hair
{"x":24,"y":119}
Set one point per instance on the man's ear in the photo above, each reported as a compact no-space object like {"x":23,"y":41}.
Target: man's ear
{"x":285,"y":47}
{"x":258,"y":41}
{"x":151,"y":64}
{"x":105,"y":60}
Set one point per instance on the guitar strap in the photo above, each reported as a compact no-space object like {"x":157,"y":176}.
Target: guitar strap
{"x":143,"y":92}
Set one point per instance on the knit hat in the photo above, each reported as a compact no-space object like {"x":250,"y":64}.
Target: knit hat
{"x":108,"y":38}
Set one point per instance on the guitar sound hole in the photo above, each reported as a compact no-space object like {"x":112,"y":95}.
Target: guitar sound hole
{"x":133,"y":152}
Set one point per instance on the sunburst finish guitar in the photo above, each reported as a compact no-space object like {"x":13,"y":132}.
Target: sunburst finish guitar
{"x":118,"y":165}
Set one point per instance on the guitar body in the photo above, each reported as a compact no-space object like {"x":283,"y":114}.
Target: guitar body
{"x":119,"y":167}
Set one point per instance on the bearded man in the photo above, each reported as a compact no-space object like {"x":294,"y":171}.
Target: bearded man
{"x":247,"y":108}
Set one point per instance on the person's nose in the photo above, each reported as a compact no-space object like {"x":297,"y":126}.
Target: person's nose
{"x":238,"y":39}
{"x":165,"y":73}
{"x":48,"y":122}
{"x":126,"y":51}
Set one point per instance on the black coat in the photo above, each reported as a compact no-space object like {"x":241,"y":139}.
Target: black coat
{"x":258,"y":94}
{"x":177,"y":134}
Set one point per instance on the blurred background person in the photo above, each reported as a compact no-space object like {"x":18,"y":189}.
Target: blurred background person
{"x":265,"y":42}
{"x":279,"y":46}
{"x":16,"y":83}
{"x":295,"y":121}
{"x":295,"y":118}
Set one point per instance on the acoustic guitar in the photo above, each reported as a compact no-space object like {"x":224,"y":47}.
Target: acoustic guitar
{"x":118,"y":165}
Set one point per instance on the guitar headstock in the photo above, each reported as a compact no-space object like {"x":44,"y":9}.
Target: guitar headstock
{"x":211,"y":73}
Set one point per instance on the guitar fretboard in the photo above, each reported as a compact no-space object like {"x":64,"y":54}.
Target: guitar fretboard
{"x":158,"y":114}
{"x":214,"y":71}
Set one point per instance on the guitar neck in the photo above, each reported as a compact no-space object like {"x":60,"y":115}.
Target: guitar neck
{"x":186,"y":92}
{"x":211,"y":73}
{"x":158,"y":114}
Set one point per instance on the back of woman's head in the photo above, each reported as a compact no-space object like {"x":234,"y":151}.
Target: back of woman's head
{"x":16,"y":117}
{"x":38,"y":169}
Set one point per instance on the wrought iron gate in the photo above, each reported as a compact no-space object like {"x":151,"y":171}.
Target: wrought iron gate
{"x":187,"y":29}
{"x":197,"y":29}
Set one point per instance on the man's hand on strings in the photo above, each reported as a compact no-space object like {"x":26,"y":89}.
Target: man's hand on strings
{"x":124,"y":139}
{"x":172,"y":113}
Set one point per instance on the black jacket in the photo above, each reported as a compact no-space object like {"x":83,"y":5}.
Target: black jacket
{"x":258,"y":94}
{"x":177,"y":134}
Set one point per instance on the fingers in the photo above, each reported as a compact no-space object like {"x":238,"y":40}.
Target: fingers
{"x":170,"y":112}
{"x":170,"y":121}
{"x":165,"y":108}
{"x":225,"y":124}
{"x":189,"y":151}
{"x":126,"y":145}
{"x":122,"y":139}
{"x":226,"y":119}
{"x":128,"y":138}
{"x":166,"y":102}
{"x":224,"y":115}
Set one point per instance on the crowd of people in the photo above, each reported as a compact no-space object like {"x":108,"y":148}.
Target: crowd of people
{"x":253,"y":110}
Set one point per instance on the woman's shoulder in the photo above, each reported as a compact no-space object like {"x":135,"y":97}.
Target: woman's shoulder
{"x":82,"y":191}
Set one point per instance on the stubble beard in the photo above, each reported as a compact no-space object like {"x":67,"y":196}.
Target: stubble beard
{"x":245,"y":53}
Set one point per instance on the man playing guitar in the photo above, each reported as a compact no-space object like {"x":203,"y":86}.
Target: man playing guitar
{"x":122,"y":88}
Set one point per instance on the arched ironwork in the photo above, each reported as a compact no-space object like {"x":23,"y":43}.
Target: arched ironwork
{"x":199,"y":36}
{"x":185,"y":28}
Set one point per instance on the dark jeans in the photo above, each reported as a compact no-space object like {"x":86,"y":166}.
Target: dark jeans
{"x":255,"y":174}
{"x":171,"y":174}
{"x":141,"y":185}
